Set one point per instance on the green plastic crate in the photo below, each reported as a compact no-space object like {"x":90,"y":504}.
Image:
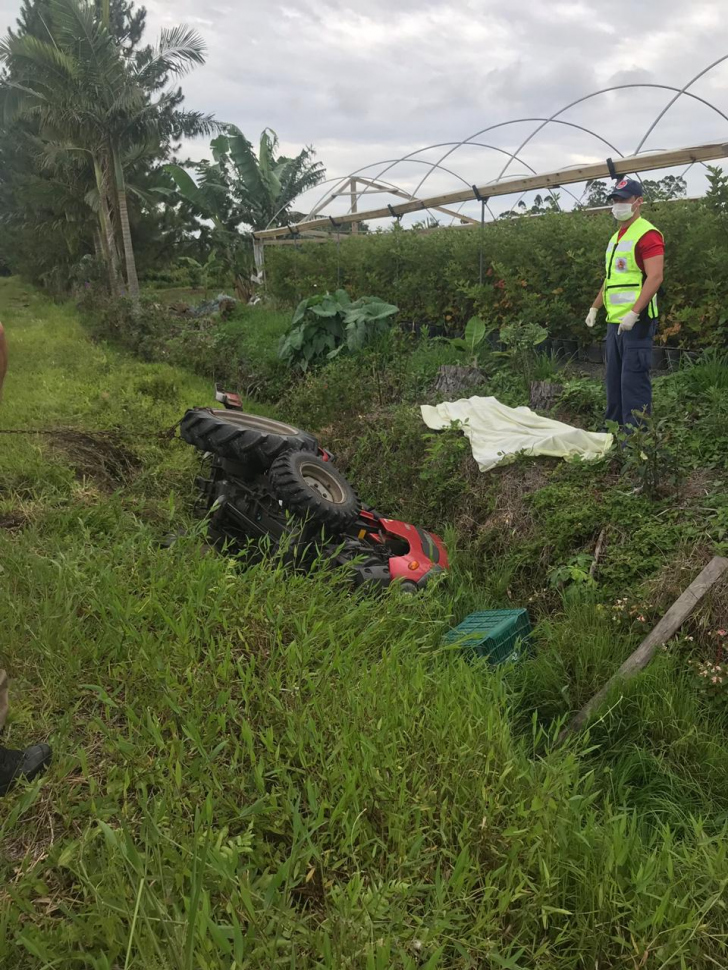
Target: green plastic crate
{"x":499,"y":635}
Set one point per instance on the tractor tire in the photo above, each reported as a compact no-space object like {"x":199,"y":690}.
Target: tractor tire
{"x":313,"y":489}
{"x":241,"y":437}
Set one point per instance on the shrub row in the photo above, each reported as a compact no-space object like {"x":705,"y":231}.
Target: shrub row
{"x":544,"y":270}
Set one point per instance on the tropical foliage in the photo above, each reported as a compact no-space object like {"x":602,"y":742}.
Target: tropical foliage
{"x":324,"y":326}
{"x":88,"y":115}
{"x":242,"y":188}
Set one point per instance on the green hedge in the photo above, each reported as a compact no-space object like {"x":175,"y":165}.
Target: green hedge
{"x":545,"y":270}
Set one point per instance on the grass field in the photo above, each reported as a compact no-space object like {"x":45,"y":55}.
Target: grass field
{"x":254,"y":769}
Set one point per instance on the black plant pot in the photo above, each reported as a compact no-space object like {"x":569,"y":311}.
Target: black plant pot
{"x":494,"y":341}
{"x":569,"y":349}
{"x":592,"y":353}
{"x":659,"y":359}
{"x":673,"y":356}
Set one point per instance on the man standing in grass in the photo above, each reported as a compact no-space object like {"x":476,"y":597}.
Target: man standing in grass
{"x":31,"y":761}
{"x":634,"y":269}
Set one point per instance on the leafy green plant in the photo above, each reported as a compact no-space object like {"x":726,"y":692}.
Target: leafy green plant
{"x":576,"y":571}
{"x":243,"y":187}
{"x":442,"y":466}
{"x":716,"y":197}
{"x":546,"y":367}
{"x":522,"y":340}
{"x":327,"y":325}
{"x":475,"y":333}
{"x":650,"y":455}
{"x":204,"y":270}
{"x":585,"y":397}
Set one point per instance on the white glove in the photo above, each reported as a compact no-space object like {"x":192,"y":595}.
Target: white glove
{"x":628,"y":321}
{"x":591,"y":317}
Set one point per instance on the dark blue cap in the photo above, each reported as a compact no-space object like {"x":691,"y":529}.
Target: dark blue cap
{"x":626,"y":189}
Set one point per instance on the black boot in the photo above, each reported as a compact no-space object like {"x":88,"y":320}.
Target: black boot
{"x":28,"y":764}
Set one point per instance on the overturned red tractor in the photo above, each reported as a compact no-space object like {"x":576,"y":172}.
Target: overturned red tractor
{"x":266,"y":480}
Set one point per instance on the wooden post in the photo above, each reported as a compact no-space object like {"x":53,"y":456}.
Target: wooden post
{"x":259,"y":258}
{"x":354,"y":225}
{"x":666,"y":628}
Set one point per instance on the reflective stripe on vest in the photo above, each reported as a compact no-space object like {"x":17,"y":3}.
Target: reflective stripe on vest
{"x":623,"y":278}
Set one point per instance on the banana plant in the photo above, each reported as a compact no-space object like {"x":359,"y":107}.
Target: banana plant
{"x":475,"y":333}
{"x":245,"y":188}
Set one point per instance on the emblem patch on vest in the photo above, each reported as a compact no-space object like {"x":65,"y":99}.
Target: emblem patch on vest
{"x":620,"y":264}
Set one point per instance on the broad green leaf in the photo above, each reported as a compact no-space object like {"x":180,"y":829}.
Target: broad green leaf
{"x":300,"y":312}
{"x":325,"y":310}
{"x":295,"y":339}
{"x":474,"y":332}
{"x":268,"y":145}
{"x":186,"y":185}
{"x":220,"y":147}
{"x":243,"y":156}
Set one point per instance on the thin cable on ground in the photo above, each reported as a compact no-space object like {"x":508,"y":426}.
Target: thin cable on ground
{"x":168,"y":435}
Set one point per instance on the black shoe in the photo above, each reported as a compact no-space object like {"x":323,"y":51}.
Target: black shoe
{"x":28,"y":764}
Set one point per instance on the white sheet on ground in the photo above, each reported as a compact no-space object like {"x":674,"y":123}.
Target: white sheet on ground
{"x":497,"y":433}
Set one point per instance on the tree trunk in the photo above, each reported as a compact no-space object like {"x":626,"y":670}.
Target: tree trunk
{"x":544,"y":394}
{"x":131,"y":273}
{"x":108,"y":242}
{"x":454,"y":379}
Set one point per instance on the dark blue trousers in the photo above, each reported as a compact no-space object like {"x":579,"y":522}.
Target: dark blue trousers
{"x":629,"y":359}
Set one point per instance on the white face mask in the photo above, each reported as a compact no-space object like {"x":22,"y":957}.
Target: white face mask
{"x":622,"y":211}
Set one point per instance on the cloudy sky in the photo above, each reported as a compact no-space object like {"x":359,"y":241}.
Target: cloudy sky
{"x":366,"y":81}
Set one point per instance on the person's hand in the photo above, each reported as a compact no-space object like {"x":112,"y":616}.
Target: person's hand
{"x":628,"y":321}
{"x":591,"y":317}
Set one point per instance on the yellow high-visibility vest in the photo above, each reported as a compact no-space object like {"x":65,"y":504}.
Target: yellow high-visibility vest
{"x":624,"y":279}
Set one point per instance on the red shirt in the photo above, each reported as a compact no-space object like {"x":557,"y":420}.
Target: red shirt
{"x":651,"y":244}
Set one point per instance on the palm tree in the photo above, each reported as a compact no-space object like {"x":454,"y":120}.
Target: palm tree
{"x":258,"y":190}
{"x":88,"y":97}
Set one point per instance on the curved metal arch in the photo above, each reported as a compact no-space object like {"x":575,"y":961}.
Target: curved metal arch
{"x":393,"y":185}
{"x":420,"y":161}
{"x":337,"y":178}
{"x":341,"y":180}
{"x":616,"y":87}
{"x":477,"y":144}
{"x":554,"y":118}
{"x":391,"y":163}
{"x":363,"y":168}
{"x":679,"y":94}
{"x":514,"y":156}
